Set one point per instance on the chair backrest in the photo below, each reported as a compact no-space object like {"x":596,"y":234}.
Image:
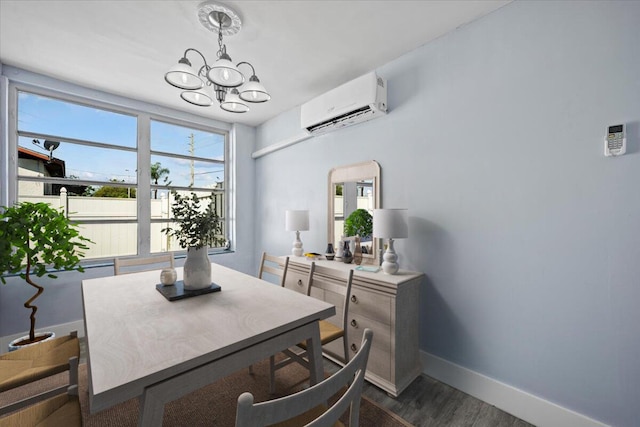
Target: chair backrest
{"x":273,"y":265}
{"x":250,"y":414}
{"x":302,"y":286}
{"x":343,"y":288}
{"x":134,"y":265}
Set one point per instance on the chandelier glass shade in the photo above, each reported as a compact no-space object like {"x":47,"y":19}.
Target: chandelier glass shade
{"x":233,"y":103}
{"x":203,"y":97}
{"x":183,"y":76}
{"x":253,"y":91}
{"x":224,"y":73}
{"x":222,"y":81}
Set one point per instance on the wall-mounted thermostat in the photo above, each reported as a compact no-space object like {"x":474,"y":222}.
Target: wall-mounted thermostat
{"x":615,"y":143}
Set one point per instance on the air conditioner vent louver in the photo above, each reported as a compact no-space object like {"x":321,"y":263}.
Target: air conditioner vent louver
{"x":343,"y":120}
{"x":357,"y":101}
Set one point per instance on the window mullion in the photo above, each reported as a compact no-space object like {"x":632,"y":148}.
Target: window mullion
{"x":10,"y":156}
{"x":144,"y":185}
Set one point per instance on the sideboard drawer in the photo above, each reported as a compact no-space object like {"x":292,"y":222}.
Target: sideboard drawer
{"x":379,"y":362}
{"x":296,"y":281}
{"x":368,"y":304}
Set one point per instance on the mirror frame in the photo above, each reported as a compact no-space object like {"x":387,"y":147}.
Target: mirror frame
{"x":352,"y":173}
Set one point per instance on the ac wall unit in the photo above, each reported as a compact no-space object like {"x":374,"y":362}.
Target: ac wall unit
{"x":357,"y":101}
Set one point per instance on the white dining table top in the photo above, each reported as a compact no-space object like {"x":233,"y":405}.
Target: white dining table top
{"x":136,"y":337}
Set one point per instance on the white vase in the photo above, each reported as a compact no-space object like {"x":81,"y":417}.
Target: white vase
{"x":197,"y":269}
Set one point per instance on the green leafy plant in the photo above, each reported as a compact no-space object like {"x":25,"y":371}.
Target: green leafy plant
{"x":198,"y":223}
{"x":360,"y":222}
{"x":34,"y":237}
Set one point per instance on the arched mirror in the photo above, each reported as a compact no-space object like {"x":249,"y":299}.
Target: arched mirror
{"x":354,"y":192}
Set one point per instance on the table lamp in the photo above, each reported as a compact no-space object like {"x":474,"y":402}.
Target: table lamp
{"x":390,"y":224}
{"x":297,"y":221}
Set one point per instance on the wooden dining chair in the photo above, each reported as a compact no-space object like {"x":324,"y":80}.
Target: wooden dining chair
{"x":329,"y":332}
{"x":61,"y":410}
{"x":309,"y":406}
{"x":273,"y":265}
{"x":134,"y":265}
{"x":35,"y":362}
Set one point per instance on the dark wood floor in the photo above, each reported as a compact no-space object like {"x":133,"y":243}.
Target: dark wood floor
{"x":430,"y":403}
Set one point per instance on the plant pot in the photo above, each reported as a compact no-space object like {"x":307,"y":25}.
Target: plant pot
{"x":197,"y":269}
{"x":13,"y":345}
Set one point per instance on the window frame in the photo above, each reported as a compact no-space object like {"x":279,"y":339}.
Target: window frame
{"x":144,"y":115}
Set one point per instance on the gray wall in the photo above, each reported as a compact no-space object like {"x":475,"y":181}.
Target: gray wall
{"x":528,"y":235}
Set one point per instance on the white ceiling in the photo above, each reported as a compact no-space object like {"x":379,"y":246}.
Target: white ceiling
{"x":300,"y":49}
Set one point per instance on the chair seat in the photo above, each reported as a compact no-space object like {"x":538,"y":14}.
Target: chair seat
{"x":37,"y":361}
{"x":328,"y":333}
{"x":62,"y":410}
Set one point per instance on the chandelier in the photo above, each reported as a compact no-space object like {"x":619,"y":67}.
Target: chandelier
{"x":222,"y":81}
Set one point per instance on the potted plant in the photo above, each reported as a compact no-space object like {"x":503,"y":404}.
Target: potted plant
{"x":33,"y":237}
{"x":360,"y":223}
{"x":198,"y":227}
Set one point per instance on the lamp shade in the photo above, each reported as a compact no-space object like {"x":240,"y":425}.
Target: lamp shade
{"x":224,"y":73}
{"x":233,"y":103}
{"x":253,"y":91}
{"x":202,"y":97}
{"x":297,"y":220}
{"x":183,"y":76}
{"x":390,"y":223}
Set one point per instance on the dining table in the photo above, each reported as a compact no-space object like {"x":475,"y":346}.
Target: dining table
{"x":141,"y":345}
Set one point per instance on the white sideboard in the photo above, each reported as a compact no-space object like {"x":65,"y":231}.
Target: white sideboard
{"x":387,"y":304}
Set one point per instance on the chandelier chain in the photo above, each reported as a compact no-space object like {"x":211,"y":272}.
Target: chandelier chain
{"x":221,"y":47}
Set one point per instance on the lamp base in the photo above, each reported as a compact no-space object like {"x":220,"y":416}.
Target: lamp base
{"x":389,"y":263}
{"x":297,"y":246}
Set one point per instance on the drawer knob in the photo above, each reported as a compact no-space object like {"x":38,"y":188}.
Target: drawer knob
{"x":354,"y":348}
{"x":299,"y":282}
{"x":354,"y":323}
{"x":354,"y":299}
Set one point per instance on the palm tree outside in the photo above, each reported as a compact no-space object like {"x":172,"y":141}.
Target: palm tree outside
{"x":157,"y":172}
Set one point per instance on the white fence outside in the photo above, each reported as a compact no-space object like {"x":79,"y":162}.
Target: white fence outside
{"x":111,"y":239}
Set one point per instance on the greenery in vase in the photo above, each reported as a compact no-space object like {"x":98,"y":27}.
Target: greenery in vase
{"x":33,"y":237}
{"x":198,"y":223}
{"x":360,"y":223}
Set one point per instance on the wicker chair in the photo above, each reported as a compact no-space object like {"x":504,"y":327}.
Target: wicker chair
{"x":35,"y":362}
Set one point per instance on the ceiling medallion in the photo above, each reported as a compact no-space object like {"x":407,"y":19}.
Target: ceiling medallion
{"x":209,"y":12}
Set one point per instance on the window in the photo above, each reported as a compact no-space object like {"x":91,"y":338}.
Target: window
{"x":185,"y":160}
{"x":87,"y":159}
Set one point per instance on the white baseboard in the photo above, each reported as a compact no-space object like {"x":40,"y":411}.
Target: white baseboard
{"x":59,"y":330}
{"x":521,"y":404}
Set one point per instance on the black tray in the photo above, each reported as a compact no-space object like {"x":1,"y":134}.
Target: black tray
{"x":177,"y":291}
